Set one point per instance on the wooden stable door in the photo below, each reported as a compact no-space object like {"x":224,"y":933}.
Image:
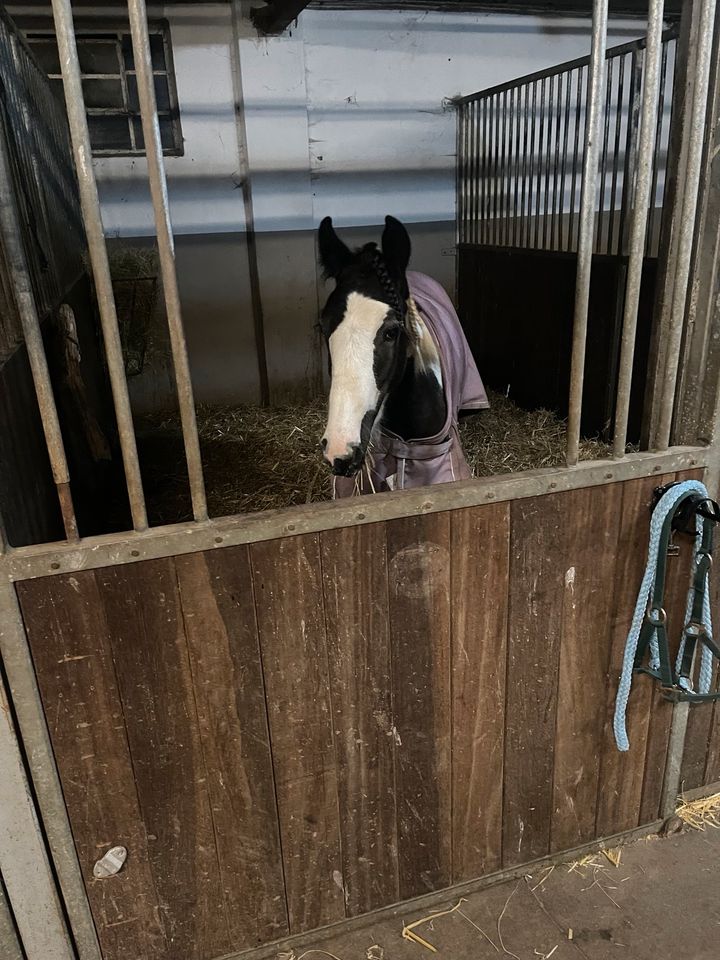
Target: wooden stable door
{"x":306,"y":729}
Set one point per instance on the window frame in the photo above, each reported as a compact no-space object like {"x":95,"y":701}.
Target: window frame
{"x":115,"y":31}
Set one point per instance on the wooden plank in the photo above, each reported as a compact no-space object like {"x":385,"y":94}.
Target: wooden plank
{"x":219,"y":616}
{"x":587,"y":564}
{"x":621,"y":774}
{"x":355,"y":591}
{"x":537,"y":586}
{"x":150,"y":652}
{"x":70,"y":641}
{"x":480,"y":568}
{"x":290,"y":618}
{"x":419,"y":589}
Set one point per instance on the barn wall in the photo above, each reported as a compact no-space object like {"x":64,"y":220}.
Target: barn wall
{"x":301,"y":730}
{"x":345,"y":115}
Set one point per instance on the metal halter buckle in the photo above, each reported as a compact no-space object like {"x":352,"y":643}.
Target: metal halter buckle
{"x":656,"y":616}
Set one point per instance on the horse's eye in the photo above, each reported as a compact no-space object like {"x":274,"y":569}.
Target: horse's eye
{"x":391,"y":333}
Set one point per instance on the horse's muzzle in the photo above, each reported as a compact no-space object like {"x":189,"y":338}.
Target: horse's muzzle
{"x":350,"y":465}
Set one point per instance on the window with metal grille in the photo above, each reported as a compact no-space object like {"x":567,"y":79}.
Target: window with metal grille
{"x":110,"y":87}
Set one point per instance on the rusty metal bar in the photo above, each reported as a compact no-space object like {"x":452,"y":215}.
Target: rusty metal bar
{"x":166,"y":249}
{"x":90,"y":205}
{"x":645,"y":179}
{"x":25,"y":302}
{"x":687,"y":200}
{"x":587,"y":218}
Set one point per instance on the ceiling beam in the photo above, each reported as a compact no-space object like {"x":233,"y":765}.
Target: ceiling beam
{"x":636,"y":8}
{"x":277,"y":15}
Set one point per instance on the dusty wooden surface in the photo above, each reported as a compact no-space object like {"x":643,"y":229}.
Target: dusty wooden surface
{"x":298,"y":731}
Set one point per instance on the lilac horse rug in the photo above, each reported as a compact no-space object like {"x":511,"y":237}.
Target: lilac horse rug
{"x":398,"y":464}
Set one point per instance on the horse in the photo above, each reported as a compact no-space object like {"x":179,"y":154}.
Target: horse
{"x":401,"y":370}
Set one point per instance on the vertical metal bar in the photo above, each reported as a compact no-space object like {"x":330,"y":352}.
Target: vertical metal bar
{"x":631,"y":144}
{"x":517,"y":112}
{"x":459,"y":175}
{"x":606,"y":141}
{"x":548,"y":148}
{"x":476,"y":170}
{"x":166,"y":249}
{"x":524,"y":170}
{"x":503,"y":171}
{"x":497,"y":172}
{"x":464,"y":174}
{"x":25,"y":301}
{"x":531,"y":171}
{"x":651,"y":105}
{"x":90,"y":205}
{"x":541,"y":129}
{"x":24,"y":863}
{"x":467,"y":169}
{"x":622,"y":111}
{"x":483,"y":172}
{"x":557,"y":165}
{"x":686,"y":223}
{"x":22,"y":684}
{"x":248,"y":207}
{"x":587,"y":217}
{"x":576,"y":150}
{"x":563,"y":172}
{"x":650,"y":246}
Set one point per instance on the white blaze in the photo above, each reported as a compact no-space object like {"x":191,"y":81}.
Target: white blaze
{"x":353,"y":390}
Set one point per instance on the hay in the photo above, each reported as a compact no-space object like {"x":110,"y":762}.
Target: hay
{"x":260,"y":459}
{"x":701,"y":813}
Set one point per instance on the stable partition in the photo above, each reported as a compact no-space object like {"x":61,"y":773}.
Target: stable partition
{"x":290,"y":732}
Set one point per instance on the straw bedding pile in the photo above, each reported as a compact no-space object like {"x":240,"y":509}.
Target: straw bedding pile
{"x":260,"y":459}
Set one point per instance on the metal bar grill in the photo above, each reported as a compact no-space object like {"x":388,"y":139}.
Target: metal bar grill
{"x":80,"y":137}
{"x":166,"y":249}
{"x":555,"y":103}
{"x":596,"y":71}
{"x":686,"y":208}
{"x":644,"y":189}
{"x":14,"y":254}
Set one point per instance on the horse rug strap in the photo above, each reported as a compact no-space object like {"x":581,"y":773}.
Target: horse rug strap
{"x":685,"y":507}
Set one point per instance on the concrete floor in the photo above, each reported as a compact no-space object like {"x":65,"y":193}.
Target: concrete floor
{"x":661,"y":901}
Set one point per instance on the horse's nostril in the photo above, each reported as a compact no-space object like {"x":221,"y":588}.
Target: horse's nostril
{"x":323,"y":443}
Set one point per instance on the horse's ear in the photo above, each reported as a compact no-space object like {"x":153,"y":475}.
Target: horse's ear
{"x":334,"y":254}
{"x":396,"y":247}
